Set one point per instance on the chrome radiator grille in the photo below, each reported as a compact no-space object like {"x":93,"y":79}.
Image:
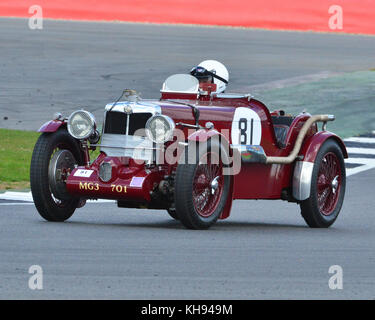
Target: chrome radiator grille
{"x":118,"y":145}
{"x":122,"y":123}
{"x":124,"y":136}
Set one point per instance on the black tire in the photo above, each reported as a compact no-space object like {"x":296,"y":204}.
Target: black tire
{"x":186,"y":211}
{"x":48,"y":206}
{"x":323,"y":207}
{"x":173,"y":214}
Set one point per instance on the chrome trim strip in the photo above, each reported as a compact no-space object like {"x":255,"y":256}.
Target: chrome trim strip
{"x":302,"y":180}
{"x":127,"y":124}
{"x":187,"y":125}
{"x":234,"y":95}
{"x":183,"y":144}
{"x":139,"y":107}
{"x":117,"y":147}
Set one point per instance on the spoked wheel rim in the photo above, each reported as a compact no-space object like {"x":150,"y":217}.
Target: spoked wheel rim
{"x":208,"y":184}
{"x":329,"y":183}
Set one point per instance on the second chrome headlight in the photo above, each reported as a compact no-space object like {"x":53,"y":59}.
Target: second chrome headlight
{"x":81,"y":124}
{"x":159,"y":128}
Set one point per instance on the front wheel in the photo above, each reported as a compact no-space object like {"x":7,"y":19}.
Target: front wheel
{"x":201,"y":189}
{"x":54,"y":157}
{"x":327,"y":187}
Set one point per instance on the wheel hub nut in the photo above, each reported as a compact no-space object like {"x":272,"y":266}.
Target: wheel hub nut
{"x":334,"y":184}
{"x":214,"y":185}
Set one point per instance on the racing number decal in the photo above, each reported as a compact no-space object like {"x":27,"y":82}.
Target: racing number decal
{"x":246,"y":127}
{"x":118,"y":188}
{"x":242,"y":126}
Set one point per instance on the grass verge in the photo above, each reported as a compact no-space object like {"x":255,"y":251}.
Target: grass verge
{"x":16,"y":147}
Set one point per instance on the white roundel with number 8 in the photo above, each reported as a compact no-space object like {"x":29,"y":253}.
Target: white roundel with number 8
{"x":246,"y":127}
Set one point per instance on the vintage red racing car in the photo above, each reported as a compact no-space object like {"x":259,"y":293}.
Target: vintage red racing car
{"x":191,"y":152}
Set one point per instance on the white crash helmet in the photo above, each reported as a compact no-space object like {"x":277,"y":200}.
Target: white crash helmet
{"x":214,"y":69}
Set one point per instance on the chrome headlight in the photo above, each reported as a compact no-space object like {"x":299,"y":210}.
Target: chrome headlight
{"x":81,"y":124}
{"x":159,"y":129}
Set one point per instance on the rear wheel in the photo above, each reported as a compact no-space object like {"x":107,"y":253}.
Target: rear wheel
{"x":327,"y":187}
{"x":201,"y":189}
{"x":54,"y":157}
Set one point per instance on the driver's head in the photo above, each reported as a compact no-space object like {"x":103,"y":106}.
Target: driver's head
{"x":212,"y":71}
{"x":203,"y":75}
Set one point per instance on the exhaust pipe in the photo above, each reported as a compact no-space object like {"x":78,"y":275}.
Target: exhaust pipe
{"x":301,"y":136}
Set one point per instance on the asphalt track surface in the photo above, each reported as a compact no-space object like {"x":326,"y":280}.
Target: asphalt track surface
{"x":263,"y":251}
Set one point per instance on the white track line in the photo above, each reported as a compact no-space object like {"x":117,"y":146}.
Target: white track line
{"x":19,"y":196}
{"x":366,"y":164}
{"x":361,"y":150}
{"x":360,"y":140}
{"x":364,"y":161}
{"x":350,"y":172}
{"x":26,"y":196}
{"x":17,"y":204}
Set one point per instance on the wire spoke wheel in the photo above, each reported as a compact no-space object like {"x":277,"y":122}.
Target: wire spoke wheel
{"x":208,"y":183}
{"x":201,"y":189}
{"x":328,"y":183}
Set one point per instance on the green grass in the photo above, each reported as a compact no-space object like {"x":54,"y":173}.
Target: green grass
{"x":16,"y":147}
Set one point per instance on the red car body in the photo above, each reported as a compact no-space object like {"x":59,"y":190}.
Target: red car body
{"x":133,"y":184}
